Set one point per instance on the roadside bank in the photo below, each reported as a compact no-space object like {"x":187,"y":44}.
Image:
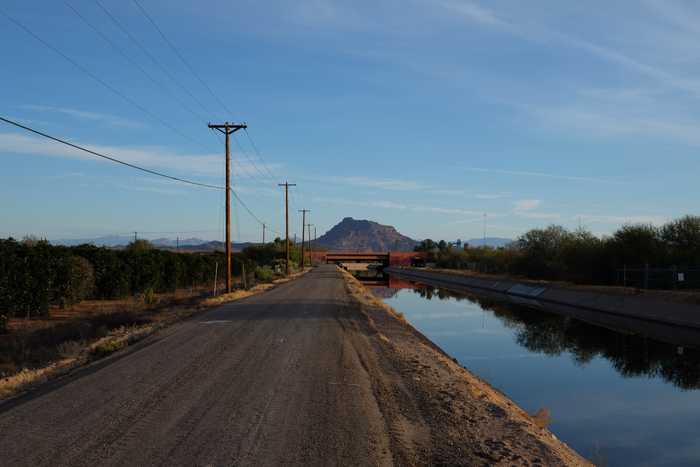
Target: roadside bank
{"x":439,"y":410}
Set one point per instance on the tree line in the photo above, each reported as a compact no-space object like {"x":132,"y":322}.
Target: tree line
{"x":633,"y":252}
{"x":35,"y":275}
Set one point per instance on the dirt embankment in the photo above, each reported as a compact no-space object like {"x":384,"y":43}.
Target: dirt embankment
{"x":441,"y":414}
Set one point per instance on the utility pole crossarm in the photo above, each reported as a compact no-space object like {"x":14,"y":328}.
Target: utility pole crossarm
{"x":228,"y":128}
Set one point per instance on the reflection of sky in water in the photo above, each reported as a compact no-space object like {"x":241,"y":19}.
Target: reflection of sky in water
{"x":640,"y":420}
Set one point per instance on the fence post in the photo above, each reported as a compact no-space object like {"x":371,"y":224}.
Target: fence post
{"x":216,"y":276}
{"x":674,"y":278}
{"x":646,"y":275}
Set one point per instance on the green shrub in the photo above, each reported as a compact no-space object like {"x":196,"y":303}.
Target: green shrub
{"x":107,"y":347}
{"x":150,"y":297}
{"x":264,"y":274}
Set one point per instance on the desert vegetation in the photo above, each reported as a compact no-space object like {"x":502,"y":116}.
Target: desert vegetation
{"x":640,"y":255}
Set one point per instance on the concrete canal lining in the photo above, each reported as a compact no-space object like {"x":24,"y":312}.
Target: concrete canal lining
{"x":632,"y":306}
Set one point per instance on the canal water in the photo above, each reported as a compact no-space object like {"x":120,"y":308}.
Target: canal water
{"x":617,"y":396}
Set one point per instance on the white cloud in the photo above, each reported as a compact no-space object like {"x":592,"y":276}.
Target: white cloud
{"x":157,"y":158}
{"x":527,"y":204}
{"x":381,"y":183}
{"x":111,"y":120}
{"x":392,"y":184}
{"x":525,"y":173}
{"x":386,"y":204}
{"x":526,"y":208}
{"x":621,"y":220}
{"x":474,"y":12}
{"x":604,"y":122}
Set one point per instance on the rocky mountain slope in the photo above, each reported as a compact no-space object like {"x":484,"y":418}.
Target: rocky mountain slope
{"x":353,"y":234}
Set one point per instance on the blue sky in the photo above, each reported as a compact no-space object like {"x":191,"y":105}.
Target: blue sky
{"x":420,"y":114}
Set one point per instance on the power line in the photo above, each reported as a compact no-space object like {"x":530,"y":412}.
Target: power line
{"x":110,"y":158}
{"x":257,"y":152}
{"x":182,"y":59}
{"x":94,"y":77}
{"x":245,"y":206}
{"x":133,"y":166}
{"x":251,"y":162}
{"x":131,"y":60}
{"x":143,"y":49}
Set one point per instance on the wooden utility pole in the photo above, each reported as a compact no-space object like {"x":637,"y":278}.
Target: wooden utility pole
{"x":309,"y":237}
{"x":303,"y":223}
{"x":286,"y":186}
{"x":228,"y":129}
{"x":263,"y":234}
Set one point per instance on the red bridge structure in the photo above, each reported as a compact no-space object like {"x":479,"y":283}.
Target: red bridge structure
{"x":391,"y":258}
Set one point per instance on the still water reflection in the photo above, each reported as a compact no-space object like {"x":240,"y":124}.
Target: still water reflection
{"x":620,"y":392}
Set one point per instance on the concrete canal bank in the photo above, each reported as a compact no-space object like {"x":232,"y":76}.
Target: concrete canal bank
{"x":638,"y":306}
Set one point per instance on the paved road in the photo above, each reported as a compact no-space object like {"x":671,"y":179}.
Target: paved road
{"x":276,"y":379}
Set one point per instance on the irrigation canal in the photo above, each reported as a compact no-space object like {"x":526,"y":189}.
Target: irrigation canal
{"x":620,"y":393}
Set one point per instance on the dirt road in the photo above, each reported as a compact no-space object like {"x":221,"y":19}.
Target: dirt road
{"x":295,"y":376}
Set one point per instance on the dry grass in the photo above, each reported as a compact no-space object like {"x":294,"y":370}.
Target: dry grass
{"x":27,"y":378}
{"x":542,"y":418}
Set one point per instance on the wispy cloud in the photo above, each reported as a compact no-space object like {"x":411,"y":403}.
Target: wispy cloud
{"x":609,"y":122}
{"x":381,"y":183}
{"x":620,"y":220}
{"x":525,"y":173}
{"x":107,"y":119}
{"x":474,"y":13}
{"x":386,"y":204}
{"x":159,"y":158}
{"x":527,"y":208}
{"x":393,"y":184}
{"x":527,"y":204}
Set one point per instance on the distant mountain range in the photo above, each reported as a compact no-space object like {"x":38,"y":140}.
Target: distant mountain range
{"x":349,"y":235}
{"x":353,"y":234}
{"x":187,"y":244}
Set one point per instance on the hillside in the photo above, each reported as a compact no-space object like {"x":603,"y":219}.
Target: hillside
{"x":352,"y":234}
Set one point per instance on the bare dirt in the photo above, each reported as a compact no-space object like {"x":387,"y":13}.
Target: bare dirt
{"x":312,"y":372}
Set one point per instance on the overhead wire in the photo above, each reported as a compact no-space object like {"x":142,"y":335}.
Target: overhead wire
{"x":133,"y":62}
{"x":180,"y":56}
{"x":94,"y":76}
{"x":257,"y":152}
{"x":145,"y":51}
{"x":110,"y":158}
{"x":136,"y":104}
{"x":208,"y":88}
{"x":128,"y":164}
